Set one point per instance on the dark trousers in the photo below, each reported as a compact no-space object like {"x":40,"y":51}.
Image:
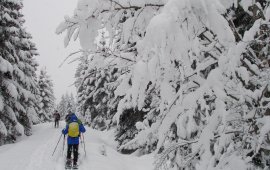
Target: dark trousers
{"x":56,"y":123}
{"x":73,"y":148}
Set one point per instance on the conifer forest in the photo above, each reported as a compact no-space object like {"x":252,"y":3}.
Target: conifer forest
{"x":158,"y":85}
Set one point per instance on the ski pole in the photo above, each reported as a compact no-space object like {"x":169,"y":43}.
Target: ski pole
{"x":64,"y":141}
{"x":57,"y":144}
{"x":81,"y":141}
{"x":84,"y":145}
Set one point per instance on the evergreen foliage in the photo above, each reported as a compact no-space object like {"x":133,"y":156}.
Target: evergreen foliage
{"x":47,"y":99}
{"x":192,"y":78}
{"x":18,"y":85}
{"x":66,"y":104}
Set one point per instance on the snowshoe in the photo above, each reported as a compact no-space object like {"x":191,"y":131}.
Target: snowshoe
{"x":75,"y":166}
{"x":68,"y":167}
{"x":68,"y":164}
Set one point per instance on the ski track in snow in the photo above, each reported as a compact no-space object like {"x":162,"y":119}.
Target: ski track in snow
{"x":35,"y":152}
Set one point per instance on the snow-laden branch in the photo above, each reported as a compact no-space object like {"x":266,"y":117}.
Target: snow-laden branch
{"x":123,"y":7}
{"x":161,"y":159}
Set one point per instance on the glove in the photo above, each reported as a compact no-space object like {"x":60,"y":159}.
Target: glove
{"x":63,"y":131}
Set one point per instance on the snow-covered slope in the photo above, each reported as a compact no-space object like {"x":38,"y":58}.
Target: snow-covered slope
{"x":35,"y":152}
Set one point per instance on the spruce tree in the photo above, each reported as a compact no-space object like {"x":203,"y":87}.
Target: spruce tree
{"x":67,"y":104}
{"x":47,"y":98}
{"x":17,"y":74}
{"x":71,"y":104}
{"x":61,"y":107}
{"x":95,"y":86}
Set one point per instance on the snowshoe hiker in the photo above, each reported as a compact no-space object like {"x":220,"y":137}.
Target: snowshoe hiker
{"x":67,"y":118}
{"x":73,"y":128}
{"x":56,"y":116}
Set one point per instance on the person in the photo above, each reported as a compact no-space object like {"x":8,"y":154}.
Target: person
{"x":73,"y":128}
{"x":56,"y":116}
{"x":68,"y":116}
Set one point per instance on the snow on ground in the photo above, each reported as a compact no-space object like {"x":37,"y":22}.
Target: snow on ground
{"x":35,"y":152}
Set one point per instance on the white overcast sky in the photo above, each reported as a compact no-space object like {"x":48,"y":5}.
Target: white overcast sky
{"x":42,"y":17}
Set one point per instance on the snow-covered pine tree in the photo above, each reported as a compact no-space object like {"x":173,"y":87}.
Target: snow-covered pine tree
{"x":126,"y":26}
{"x":28,"y":66}
{"x":66,"y":104}
{"x":70,"y":103}
{"x":17,"y":74}
{"x":95,"y":85}
{"x":104,"y":100}
{"x":61,"y":107}
{"x":81,"y":84}
{"x":47,"y":98}
{"x":205,"y":73}
{"x":80,"y":71}
{"x":30,"y":70}
{"x":91,"y":96}
{"x":38,"y":107}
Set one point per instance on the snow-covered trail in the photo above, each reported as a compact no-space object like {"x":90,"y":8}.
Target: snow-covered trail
{"x":35,"y":152}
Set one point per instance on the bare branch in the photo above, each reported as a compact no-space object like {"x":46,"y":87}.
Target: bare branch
{"x":70,"y":55}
